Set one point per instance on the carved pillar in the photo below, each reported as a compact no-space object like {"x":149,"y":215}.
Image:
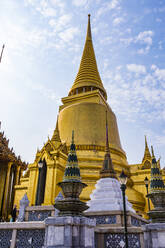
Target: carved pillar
{"x":40,"y":194}
{"x":3,"y":174}
{"x":59,"y":172}
{"x":33,"y":179}
{"x":49,"y":183}
{"x":59,"y":167}
{"x":6,"y":193}
{"x":18,"y":174}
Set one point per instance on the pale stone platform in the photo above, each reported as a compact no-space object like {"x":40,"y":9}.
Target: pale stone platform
{"x":69,"y":232}
{"x":154,"y":235}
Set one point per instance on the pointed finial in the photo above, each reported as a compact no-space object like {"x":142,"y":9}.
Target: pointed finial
{"x":147,"y":154}
{"x":89,"y":33}
{"x":72,"y":136}
{"x":152,"y":151}
{"x":2,"y":52}
{"x":107,"y":141}
{"x":146,"y":145}
{"x":107,"y":168}
{"x":56,"y":135}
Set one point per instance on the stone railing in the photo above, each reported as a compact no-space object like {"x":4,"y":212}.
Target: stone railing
{"x":113,"y":237}
{"x":109,"y":230}
{"x":39,"y":213}
{"x":22,"y":234}
{"x":116,"y":218}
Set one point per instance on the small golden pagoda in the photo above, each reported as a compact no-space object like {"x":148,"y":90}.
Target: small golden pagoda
{"x":83,"y":111}
{"x":11,"y":168}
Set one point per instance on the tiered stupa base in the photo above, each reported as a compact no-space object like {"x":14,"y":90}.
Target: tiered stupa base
{"x":107,"y":197}
{"x":157,"y":215}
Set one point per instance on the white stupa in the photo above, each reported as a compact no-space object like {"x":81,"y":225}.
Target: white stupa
{"x":107,"y":195}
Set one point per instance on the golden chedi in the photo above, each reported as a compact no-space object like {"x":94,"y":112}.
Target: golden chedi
{"x":83,"y":111}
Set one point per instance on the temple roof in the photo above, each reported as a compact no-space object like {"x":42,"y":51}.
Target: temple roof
{"x":156,"y":183}
{"x":107,"y":168}
{"x":88,"y":74}
{"x":7,"y":154}
{"x":72,"y":170}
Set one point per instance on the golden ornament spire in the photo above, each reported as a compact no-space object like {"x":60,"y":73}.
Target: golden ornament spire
{"x":89,"y":33}
{"x":107,"y":168}
{"x":147,"y":154}
{"x":88,"y":77}
{"x":56,"y":135}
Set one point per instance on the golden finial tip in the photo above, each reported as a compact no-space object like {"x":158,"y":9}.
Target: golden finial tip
{"x":72,"y":136}
{"x":152,"y":150}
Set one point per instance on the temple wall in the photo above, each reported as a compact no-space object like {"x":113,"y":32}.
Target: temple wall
{"x":20,"y":190}
{"x":138,"y":177}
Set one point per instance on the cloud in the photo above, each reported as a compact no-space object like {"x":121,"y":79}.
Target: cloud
{"x":45,"y":91}
{"x":110,"y":5}
{"x":47,"y":8}
{"x":58,"y":3}
{"x":60,"y":22}
{"x":138,"y":69}
{"x":46,"y":11}
{"x":117,"y":21}
{"x":160,"y":74}
{"x":142,"y":97}
{"x":127,"y":41}
{"x":143,"y":38}
{"x":68,"y":34}
{"x":79,"y":3}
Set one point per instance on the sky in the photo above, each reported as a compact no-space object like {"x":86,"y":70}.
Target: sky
{"x":44,"y":40}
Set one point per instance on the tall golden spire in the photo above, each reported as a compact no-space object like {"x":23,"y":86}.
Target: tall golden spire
{"x":147,"y":154}
{"x":88,"y":76}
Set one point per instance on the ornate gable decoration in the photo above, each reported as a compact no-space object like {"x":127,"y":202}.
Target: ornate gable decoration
{"x":7,"y":154}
